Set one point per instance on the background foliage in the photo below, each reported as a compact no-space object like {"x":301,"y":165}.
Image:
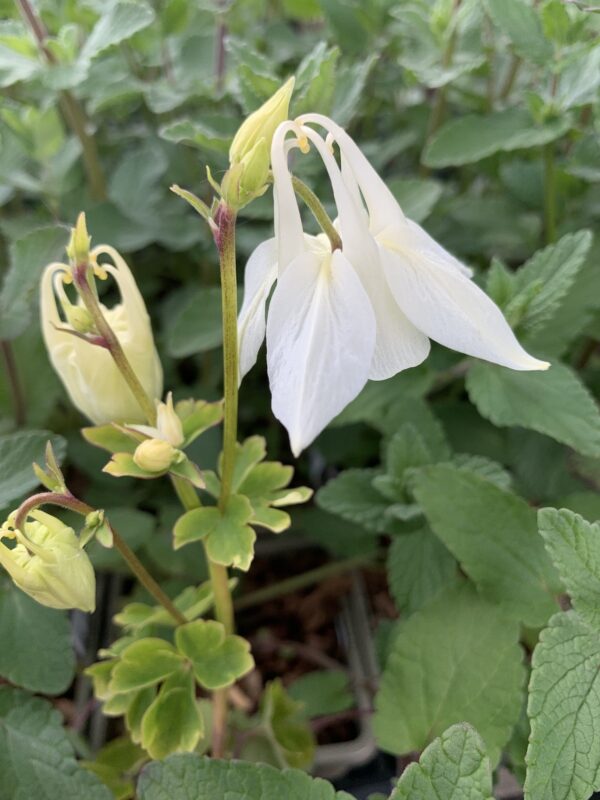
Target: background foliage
{"x":483,"y":117}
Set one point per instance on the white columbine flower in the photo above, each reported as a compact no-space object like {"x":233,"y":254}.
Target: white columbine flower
{"x":92,"y":379}
{"x":364,"y":312}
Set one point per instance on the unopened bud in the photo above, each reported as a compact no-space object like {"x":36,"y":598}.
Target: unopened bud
{"x":79,"y":318}
{"x":168,"y":423}
{"x":247,"y":179}
{"x":78,"y":248}
{"x":155,"y":455}
{"x":261,"y":124}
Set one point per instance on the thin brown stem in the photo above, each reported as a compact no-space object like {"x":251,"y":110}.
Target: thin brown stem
{"x":70,"y":107}
{"x":14,"y":382}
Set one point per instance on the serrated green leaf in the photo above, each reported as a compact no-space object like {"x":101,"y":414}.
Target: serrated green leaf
{"x":18,"y":451}
{"x":473,"y":137}
{"x":36,"y":755}
{"x":555,"y":403}
{"x":28,"y":258}
{"x":416,"y":197}
{"x":574,"y":547}
{"x":418,"y":567}
{"x":198,"y":134}
{"x":184,"y":776}
{"x":454,"y":767}
{"x":219,"y":659}
{"x":563,"y":757}
{"x":555,"y":268}
{"x":315,"y":80}
{"x":120,"y":21}
{"x":37,"y":652}
{"x":143,"y":663}
{"x":351,"y":496}
{"x":172,"y":723}
{"x":428,"y":684}
{"x":485,"y":468}
{"x":493,"y":534}
{"x":520,"y":22}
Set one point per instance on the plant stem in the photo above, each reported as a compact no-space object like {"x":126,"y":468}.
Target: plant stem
{"x":226,"y":245}
{"x":318,"y":212}
{"x":16,"y":389}
{"x":549,"y":194}
{"x":67,"y":500}
{"x":90,"y":300}
{"x":511,"y":76}
{"x":300,"y":581}
{"x":70,"y":107}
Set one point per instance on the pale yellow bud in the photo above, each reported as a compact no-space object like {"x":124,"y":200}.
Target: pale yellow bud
{"x":247,"y":179}
{"x":49,"y":564}
{"x":261,"y":124}
{"x":168,"y":423}
{"x":155,"y":455}
{"x":78,"y":248}
{"x":93,"y":381}
{"x":79,"y":318}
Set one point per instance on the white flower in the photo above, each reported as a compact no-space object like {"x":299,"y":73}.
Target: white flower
{"x":93,"y":381}
{"x":364,"y":312}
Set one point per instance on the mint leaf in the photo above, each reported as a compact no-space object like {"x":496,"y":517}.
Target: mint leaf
{"x":563,"y":757}
{"x":457,"y":659}
{"x":493,"y":534}
{"x":556,"y":403}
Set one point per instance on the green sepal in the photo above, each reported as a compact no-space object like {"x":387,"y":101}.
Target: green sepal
{"x":172,"y":723}
{"x":218,"y":659}
{"x":144,"y":663}
{"x":289,"y":729}
{"x":189,"y":471}
{"x":51,"y":477}
{"x":197,"y":416}
{"x":112,"y":438}
{"x":122,"y":465}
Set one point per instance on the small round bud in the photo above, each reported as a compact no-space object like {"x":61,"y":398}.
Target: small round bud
{"x":155,"y":455}
{"x":79,"y":318}
{"x":78,"y":248}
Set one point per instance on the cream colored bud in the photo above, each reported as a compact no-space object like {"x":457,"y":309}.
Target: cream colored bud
{"x":49,"y":564}
{"x":78,"y":248}
{"x":247,"y":179}
{"x":155,"y":455}
{"x":168,"y":423}
{"x":79,"y":318}
{"x":261,"y":124}
{"x":94,"y":383}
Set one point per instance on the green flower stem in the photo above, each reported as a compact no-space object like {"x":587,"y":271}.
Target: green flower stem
{"x":70,"y":107}
{"x":67,"y":500}
{"x":549,"y":194}
{"x":318,"y":212}
{"x":225,"y":239}
{"x":301,"y":581}
{"x":110,"y":341}
{"x":14,"y":382}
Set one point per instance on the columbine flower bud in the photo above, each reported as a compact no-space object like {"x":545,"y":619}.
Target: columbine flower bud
{"x":93,"y":381}
{"x":49,"y":564}
{"x":155,"y":455}
{"x":262,"y":123}
{"x":247,"y":179}
{"x":168,"y":423}
{"x":78,"y":248}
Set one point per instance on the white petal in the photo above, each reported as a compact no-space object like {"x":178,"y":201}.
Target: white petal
{"x":320,"y":340}
{"x":399,"y":345}
{"x":288,"y":222}
{"x":450,"y":308}
{"x":261,"y":271}
{"x":384,"y":210}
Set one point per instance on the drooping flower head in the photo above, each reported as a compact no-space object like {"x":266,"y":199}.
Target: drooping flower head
{"x":365,"y":311}
{"x":88,"y":372}
{"x":47,"y":561}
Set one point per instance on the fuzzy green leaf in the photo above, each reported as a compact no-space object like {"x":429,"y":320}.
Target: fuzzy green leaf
{"x":520,"y":22}
{"x":494,"y":536}
{"x":454,"y":767}
{"x":574,"y":547}
{"x":18,"y":451}
{"x":563,"y":757}
{"x":556,"y":403}
{"x":429,"y":684}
